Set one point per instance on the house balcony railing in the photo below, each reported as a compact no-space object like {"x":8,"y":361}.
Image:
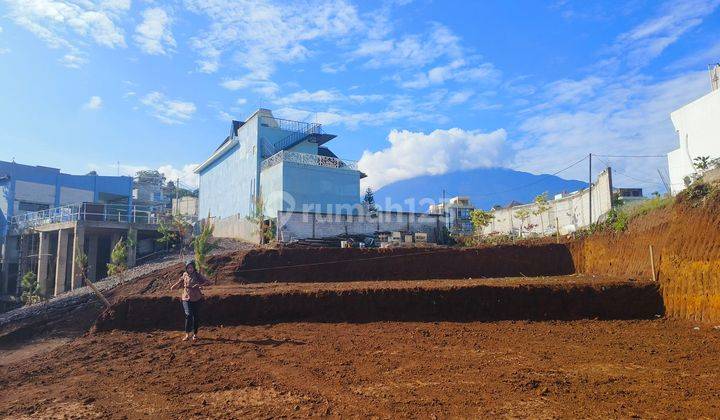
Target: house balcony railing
{"x":308,"y":159}
{"x":98,"y":212}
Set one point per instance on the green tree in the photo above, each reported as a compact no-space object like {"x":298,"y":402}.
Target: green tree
{"x":203,"y":245}
{"x":175,"y":234}
{"x":541,"y":207}
{"x":369,"y":201}
{"x":30,"y":289}
{"x":118,"y":257}
{"x":522,"y":214}
{"x":480,"y":219}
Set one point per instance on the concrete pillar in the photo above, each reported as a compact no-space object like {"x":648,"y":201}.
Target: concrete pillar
{"x":132,"y":247}
{"x":61,"y":262}
{"x":78,"y":247}
{"x":92,"y":256}
{"x":5,"y":272}
{"x":45,"y":283}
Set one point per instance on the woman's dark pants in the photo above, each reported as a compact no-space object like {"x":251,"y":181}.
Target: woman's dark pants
{"x":192,"y":310}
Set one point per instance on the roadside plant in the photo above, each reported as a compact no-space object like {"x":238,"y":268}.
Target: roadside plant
{"x":480,"y":219}
{"x":522,"y":215}
{"x":541,"y":207}
{"x":30,"y":289}
{"x":118,"y":257}
{"x":176,"y":234}
{"x":202,"y":244}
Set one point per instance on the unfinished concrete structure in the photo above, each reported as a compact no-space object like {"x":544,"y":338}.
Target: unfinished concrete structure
{"x":47,"y":217}
{"x":52,"y":240}
{"x":457,"y":212}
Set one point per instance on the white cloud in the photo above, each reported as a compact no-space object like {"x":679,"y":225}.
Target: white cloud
{"x":303,"y":96}
{"x":399,"y":108}
{"x":184,"y":174}
{"x":650,"y":38}
{"x":410,"y":50}
{"x":259,"y":85}
{"x":73,"y":61}
{"x":95,"y":102}
{"x":168,"y":111}
{"x":241,"y":101}
{"x":53,"y":20}
{"x":413,"y":154}
{"x":459,"y":70}
{"x":332,"y":68}
{"x":261,"y":34}
{"x":460,"y":97}
{"x":153,"y":34}
{"x":616,"y":109}
{"x":630,"y":116}
{"x":69,"y":24}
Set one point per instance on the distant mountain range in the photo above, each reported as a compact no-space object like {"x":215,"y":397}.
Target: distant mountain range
{"x":486,"y":187}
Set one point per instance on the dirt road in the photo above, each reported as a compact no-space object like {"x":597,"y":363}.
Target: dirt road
{"x":647,"y":368}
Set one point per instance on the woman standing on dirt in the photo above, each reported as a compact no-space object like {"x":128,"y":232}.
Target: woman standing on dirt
{"x":192,"y":282}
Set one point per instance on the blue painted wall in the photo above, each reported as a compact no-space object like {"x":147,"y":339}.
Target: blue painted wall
{"x":289,"y":186}
{"x":228,"y":185}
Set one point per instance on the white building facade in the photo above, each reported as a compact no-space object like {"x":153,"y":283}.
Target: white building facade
{"x":698,"y":128}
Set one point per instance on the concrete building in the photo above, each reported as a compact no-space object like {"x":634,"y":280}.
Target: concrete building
{"x":698,"y":128}
{"x":185,"y":207}
{"x":457,"y":213}
{"x":47,"y":216}
{"x":281,"y":163}
{"x":629,"y":195}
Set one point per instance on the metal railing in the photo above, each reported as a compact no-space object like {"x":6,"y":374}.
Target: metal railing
{"x":285,"y":125}
{"x":92,"y":212}
{"x":308,"y":159}
{"x":298,"y":130}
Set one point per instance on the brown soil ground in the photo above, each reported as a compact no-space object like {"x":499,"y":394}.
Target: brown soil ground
{"x":616,"y":369}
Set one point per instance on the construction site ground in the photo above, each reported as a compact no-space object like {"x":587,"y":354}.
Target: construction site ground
{"x":585,"y":368}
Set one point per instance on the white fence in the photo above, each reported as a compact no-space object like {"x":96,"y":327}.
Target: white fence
{"x":566,"y":214}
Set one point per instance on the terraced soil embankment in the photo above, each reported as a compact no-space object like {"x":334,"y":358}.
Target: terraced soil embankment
{"x":551,"y":298}
{"x":686,"y":243}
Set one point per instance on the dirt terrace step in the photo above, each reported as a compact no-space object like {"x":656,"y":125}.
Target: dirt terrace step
{"x":546,"y":298}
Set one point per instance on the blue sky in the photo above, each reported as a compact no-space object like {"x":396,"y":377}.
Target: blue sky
{"x":411,"y":87}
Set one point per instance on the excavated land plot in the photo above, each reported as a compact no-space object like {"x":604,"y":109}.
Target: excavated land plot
{"x":615,"y":369}
{"x":543,"y":298}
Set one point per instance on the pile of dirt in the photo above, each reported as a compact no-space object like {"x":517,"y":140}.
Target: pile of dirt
{"x":564,"y":298}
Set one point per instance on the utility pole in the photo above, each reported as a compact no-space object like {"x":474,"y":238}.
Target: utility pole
{"x":590,"y":186}
{"x":444,"y":211}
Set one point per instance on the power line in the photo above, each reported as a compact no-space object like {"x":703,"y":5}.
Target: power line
{"x":631,"y":156}
{"x":533,"y":183}
{"x":629,"y":176}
